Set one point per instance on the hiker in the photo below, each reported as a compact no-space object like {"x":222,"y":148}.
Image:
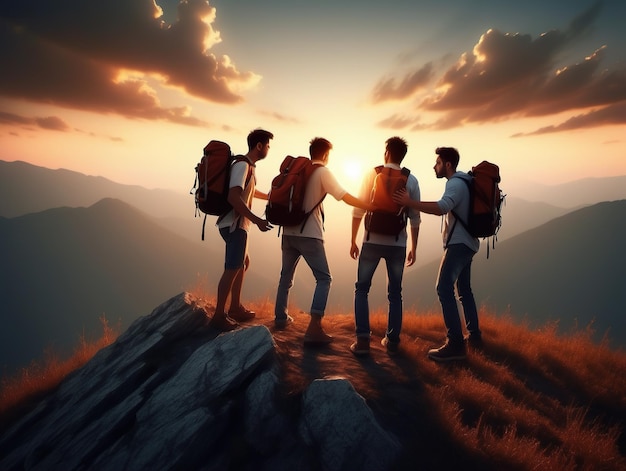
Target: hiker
{"x":390,"y":247}
{"x":234,"y":228}
{"x":308,"y":242}
{"x":456,"y":263}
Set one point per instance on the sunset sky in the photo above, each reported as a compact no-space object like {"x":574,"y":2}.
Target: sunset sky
{"x":133,"y":89}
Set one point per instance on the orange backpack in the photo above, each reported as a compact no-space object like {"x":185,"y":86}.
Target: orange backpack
{"x":389,"y":217}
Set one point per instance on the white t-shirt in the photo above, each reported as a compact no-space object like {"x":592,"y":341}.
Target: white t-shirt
{"x":238,"y":174}
{"x":321,"y":183}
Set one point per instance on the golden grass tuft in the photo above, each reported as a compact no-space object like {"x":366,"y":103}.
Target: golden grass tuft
{"x":41,"y":377}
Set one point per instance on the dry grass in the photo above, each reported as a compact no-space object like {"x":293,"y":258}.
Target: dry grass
{"x":529,"y":400}
{"x":18,"y":391}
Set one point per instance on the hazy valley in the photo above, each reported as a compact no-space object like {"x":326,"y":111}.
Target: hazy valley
{"x":77,"y":247}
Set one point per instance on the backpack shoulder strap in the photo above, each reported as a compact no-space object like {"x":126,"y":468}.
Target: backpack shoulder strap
{"x":243,"y":158}
{"x":312,"y":169}
{"x":457,"y":218}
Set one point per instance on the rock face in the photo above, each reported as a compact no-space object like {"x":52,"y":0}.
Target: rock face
{"x":171,"y":393}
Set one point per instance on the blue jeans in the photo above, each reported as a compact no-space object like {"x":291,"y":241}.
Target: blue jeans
{"x":455,"y":270}
{"x":314,"y":254}
{"x":370,"y":256}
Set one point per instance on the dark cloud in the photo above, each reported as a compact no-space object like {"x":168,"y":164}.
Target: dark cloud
{"x":391,"y":89}
{"x":513,"y":75}
{"x":103,"y":56}
{"x":53,"y":123}
{"x":609,"y":115}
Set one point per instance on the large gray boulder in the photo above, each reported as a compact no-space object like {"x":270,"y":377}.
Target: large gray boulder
{"x":171,"y":393}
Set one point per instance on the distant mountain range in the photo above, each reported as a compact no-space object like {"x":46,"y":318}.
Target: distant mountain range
{"x":75,"y":247}
{"x":63,"y":268}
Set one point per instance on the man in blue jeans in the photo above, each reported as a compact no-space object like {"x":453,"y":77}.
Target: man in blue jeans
{"x":389,"y":247}
{"x":308,"y":242}
{"x":459,"y":250}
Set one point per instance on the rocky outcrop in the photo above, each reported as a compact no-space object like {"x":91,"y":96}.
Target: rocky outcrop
{"x":171,"y":393}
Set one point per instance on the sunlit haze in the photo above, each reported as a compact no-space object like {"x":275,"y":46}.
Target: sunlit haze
{"x":537,"y":87}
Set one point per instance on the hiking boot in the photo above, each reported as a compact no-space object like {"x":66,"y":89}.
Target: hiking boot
{"x":315,"y":334}
{"x":390,"y":345}
{"x":223,"y":323}
{"x":282,"y":323}
{"x":474,"y":341}
{"x":317,"y":338}
{"x":361,"y":347}
{"x":448,"y":352}
{"x":241,"y":314}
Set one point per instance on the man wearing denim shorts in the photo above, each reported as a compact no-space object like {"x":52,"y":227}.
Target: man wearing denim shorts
{"x":390,"y":248}
{"x":234,"y":227}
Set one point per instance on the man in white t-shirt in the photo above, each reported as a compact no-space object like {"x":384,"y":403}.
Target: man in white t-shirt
{"x":234,"y":227}
{"x":308,"y":242}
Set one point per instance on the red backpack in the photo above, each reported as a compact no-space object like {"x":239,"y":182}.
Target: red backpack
{"x":212,"y":180}
{"x":389,"y":217}
{"x":486,"y":198}
{"x":286,"y":196}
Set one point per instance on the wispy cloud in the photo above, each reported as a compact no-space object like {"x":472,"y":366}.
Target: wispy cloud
{"x":111,"y":56}
{"x":53,"y":123}
{"x":508,"y":76}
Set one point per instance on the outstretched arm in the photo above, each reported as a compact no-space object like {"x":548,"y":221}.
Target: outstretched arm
{"x":260,"y":195}
{"x":356,"y":202}
{"x":430,"y":207}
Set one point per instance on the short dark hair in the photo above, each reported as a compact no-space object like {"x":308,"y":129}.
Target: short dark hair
{"x":318,"y":147}
{"x":397,"y":148}
{"x":448,"y":154}
{"x":259,"y":136}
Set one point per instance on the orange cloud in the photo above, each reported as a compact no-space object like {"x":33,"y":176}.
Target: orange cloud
{"x":508,"y":76}
{"x":70,"y":53}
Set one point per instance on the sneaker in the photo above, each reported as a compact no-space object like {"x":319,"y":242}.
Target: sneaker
{"x":242,"y":314}
{"x":223,"y":323}
{"x":448,"y":352}
{"x":282,"y":323}
{"x":474,"y":341}
{"x":361,"y":347}
{"x":391,"y":346}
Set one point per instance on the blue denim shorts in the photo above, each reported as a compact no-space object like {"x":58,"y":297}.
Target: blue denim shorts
{"x":236,"y":247}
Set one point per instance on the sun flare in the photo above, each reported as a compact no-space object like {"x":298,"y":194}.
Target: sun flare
{"x":352,"y":172}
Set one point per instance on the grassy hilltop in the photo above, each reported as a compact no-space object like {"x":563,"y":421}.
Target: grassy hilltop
{"x":531,"y":399}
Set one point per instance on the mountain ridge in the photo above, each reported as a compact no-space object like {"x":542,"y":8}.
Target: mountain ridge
{"x":63,"y":268}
